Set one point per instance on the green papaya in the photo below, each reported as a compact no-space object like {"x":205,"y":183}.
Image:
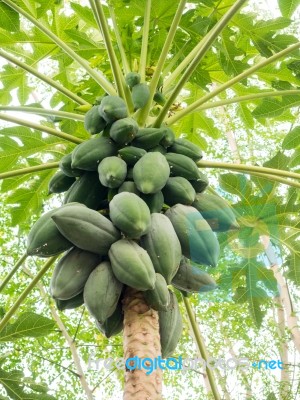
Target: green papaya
{"x":60,"y":182}
{"x":71,"y":303}
{"x":155,"y":201}
{"x":151,"y":173}
{"x":198,"y":242}
{"x":87,"y":190}
{"x":158,"y":148}
{"x":178,"y":190}
{"x":170,"y":327}
{"x":169,"y":138}
{"x":130,"y":214}
{"x":187,"y":148}
{"x":128,"y":186}
{"x":102,"y":292}
{"x":159,"y":297}
{"x":87,"y":155}
{"x":159,"y":98}
{"x":112,"y":172}
{"x":71,"y":273}
{"x":181,"y":165}
{"x":163,"y":246}
{"x":124,"y":130}
{"x":190,"y":278}
{"x":132,"y":79}
{"x":216,"y":211}
{"x":44,"y":239}
{"x":93,"y":122}
{"x":140,"y":94}
{"x":65,"y":165}
{"x":146,"y":138}
{"x":132,"y":265}
{"x":113,"y":324}
{"x":201,"y":183}
{"x":112,"y":108}
{"x":86,"y":228}
{"x":131,"y":154}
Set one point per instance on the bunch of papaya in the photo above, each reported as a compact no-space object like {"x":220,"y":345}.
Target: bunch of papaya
{"x":136,"y":212}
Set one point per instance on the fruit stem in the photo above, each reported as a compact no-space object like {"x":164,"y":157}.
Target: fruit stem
{"x":144,"y":49}
{"x":14,"y":308}
{"x":42,"y":128}
{"x":13,"y":271}
{"x":201,"y":347}
{"x":43,"y":111}
{"x":29,"y":170}
{"x":98,"y":77}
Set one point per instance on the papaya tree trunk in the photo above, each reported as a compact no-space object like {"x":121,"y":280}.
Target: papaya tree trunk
{"x":142,"y":340}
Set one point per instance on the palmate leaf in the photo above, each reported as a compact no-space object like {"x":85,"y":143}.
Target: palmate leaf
{"x":288,"y":7}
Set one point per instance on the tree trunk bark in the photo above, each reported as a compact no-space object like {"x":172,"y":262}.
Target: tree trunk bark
{"x":142,"y":340}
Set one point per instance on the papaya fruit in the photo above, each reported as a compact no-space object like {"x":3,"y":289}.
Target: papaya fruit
{"x":181,"y":165}
{"x":131,"y":154}
{"x":113,"y":324}
{"x":198,"y":241}
{"x":86,"y":228}
{"x":216,"y":211}
{"x":178,"y":190}
{"x":44,"y":239}
{"x":159,"y":98}
{"x":130,"y":214}
{"x":159,"y":297}
{"x":170,"y":327}
{"x":201,"y":183}
{"x":112,"y":172}
{"x":102,"y":292}
{"x":71,"y":303}
{"x":163,"y":246}
{"x":124,"y":130}
{"x":146,"y":138}
{"x":93,"y":122}
{"x":87,"y":190}
{"x":60,"y":183}
{"x":192,"y":279}
{"x":87,"y":155}
{"x":187,"y":148}
{"x":112,"y":108}
{"x":155,"y":201}
{"x":140,"y":94}
{"x":158,"y":148}
{"x":65,"y":164}
{"x":132,"y":79}
{"x":151,"y":173}
{"x":128,"y":186}
{"x":169,"y":138}
{"x":132,"y":265}
{"x":71,"y":273}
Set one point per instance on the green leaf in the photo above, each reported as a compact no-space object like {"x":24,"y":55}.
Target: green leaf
{"x":236,"y":184}
{"x":288,"y":7}
{"x":10,"y":19}
{"x":292,"y":139}
{"x":269,"y":108}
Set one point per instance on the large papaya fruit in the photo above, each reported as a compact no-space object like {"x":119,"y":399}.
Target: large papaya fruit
{"x":71,"y":303}
{"x":198,"y":242}
{"x":170,"y":327}
{"x":86,"y":228}
{"x":112,"y":172}
{"x":140,"y":95}
{"x":93,"y":122}
{"x":162,"y":245}
{"x":216,"y":211}
{"x":178,"y":190}
{"x":132,"y":265}
{"x":113,"y":324}
{"x":112,"y":108}
{"x":159,"y":297}
{"x":71,"y":273}
{"x":87,"y":155}
{"x":154,"y":201}
{"x":192,"y":279}
{"x":181,"y":165}
{"x":60,"y":182}
{"x":124,"y":130}
{"x":132,"y":79}
{"x":151,"y":173}
{"x":130,"y":214}
{"x":146,"y":138}
{"x":131,"y":154}
{"x":87,"y":190}
{"x":65,"y":164}
{"x":102,"y":292}
{"x":187,"y":148}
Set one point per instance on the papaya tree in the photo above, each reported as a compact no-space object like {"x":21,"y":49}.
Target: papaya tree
{"x":149,"y":151}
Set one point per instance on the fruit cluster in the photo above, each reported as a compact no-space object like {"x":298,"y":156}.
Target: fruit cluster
{"x":135,"y":214}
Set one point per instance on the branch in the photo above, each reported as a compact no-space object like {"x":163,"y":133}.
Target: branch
{"x":43,"y":111}
{"x":29,"y":170}
{"x":41,"y":128}
{"x":144,"y":49}
{"x":13,"y":271}
{"x":99,"y":78}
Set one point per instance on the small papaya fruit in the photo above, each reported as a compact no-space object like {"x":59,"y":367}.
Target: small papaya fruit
{"x":112,"y":172}
{"x":140,"y":95}
{"x":132,"y":79}
{"x":124,"y":130}
{"x":60,"y":183}
{"x":112,"y":108}
{"x":93,"y":122}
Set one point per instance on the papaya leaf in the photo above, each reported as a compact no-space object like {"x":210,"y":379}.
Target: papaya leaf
{"x":292,"y":139}
{"x":288,"y":7}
